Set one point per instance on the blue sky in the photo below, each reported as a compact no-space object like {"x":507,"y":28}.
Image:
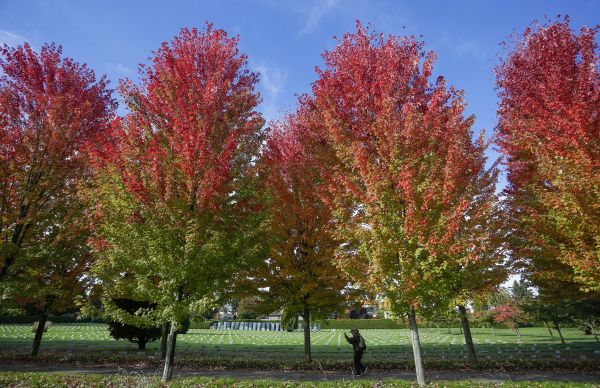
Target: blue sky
{"x":284,"y":39}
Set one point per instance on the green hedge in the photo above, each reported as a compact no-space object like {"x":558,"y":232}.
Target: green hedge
{"x":201,"y":325}
{"x":347,"y":324}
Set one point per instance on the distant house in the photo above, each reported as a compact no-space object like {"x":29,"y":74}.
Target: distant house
{"x":274,"y":316}
{"x":226,"y":312}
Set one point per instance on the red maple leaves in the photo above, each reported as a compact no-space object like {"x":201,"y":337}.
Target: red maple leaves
{"x":52,"y":109}
{"x":549,"y":130}
{"x":192,"y":111}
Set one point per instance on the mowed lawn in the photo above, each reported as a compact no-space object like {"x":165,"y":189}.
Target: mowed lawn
{"x":535,"y":343}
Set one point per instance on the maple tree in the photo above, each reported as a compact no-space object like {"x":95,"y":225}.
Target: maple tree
{"x":51,"y":110}
{"x":509,"y":314}
{"x":404,"y":150}
{"x":299,"y":276}
{"x":549,"y":89}
{"x":176,"y":216}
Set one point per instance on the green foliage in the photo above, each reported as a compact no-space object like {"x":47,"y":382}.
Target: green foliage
{"x":247,"y":308}
{"x":177,"y":259}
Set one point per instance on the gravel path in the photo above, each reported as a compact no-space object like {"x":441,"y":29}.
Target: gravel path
{"x":490,"y":376}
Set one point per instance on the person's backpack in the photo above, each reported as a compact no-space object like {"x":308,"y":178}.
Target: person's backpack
{"x":361,"y":344}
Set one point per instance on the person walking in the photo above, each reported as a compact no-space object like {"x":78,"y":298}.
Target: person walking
{"x":359,"y":346}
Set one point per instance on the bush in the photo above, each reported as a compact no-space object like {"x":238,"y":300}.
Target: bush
{"x":139,"y":335}
{"x":185,"y":326}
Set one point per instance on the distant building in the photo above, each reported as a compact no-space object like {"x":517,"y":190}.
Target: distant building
{"x":274,"y":316}
{"x":226,"y":312}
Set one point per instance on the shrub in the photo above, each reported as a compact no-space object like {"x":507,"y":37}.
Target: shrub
{"x":185,"y":326}
{"x":139,"y":335}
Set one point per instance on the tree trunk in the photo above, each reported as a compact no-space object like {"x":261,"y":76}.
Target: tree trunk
{"x":494,"y":330}
{"x":467,"y":333}
{"x":517,"y":331}
{"x":557,"y":327}
{"x":549,"y":329}
{"x":39,"y":332}
{"x":163,"y":340}
{"x":306,"y":317}
{"x":168,"y":371}
{"x":416,"y":344}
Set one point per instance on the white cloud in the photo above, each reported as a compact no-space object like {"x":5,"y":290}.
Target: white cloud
{"x":314,"y":14}
{"x":120,"y":68}
{"x":272,"y":81}
{"x":11,"y":39}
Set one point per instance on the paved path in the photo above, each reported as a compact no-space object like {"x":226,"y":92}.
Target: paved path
{"x":591,"y":377}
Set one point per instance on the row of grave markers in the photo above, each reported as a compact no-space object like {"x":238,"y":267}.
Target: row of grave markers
{"x":258,"y":326}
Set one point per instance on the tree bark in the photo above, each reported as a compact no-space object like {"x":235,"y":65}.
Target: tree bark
{"x":472,"y":357}
{"x":549,"y":329}
{"x":163,"y":340}
{"x":39,"y":332}
{"x":517,"y":331}
{"x":557,"y":327}
{"x":306,"y":317}
{"x":168,"y":371}
{"x":416,"y":344}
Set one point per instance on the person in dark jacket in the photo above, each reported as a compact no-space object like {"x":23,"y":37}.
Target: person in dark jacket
{"x":359,"y":347}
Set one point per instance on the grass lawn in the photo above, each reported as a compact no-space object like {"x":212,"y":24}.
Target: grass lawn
{"x":45,"y":379}
{"x":535,"y":343}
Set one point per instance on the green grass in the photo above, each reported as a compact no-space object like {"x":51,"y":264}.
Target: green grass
{"x":45,"y":379}
{"x":535,"y":343}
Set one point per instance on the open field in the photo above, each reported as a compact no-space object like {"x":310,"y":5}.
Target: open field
{"x":535,"y":343}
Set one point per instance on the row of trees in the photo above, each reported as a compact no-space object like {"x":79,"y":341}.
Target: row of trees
{"x":373,"y":186}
